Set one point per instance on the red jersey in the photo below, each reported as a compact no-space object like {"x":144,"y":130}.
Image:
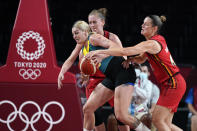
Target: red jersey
{"x":162,"y":63}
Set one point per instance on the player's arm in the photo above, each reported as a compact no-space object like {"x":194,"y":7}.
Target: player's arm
{"x":99,"y":40}
{"x":115,"y":38}
{"x":68,"y":63}
{"x":149,"y":46}
{"x":71,"y":59}
{"x":138,"y":59}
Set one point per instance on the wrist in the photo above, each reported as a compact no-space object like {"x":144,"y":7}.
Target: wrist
{"x":99,"y":51}
{"x":62,"y":72}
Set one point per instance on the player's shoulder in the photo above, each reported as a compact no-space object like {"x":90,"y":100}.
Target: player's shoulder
{"x":94,"y":37}
{"x":112,"y":35}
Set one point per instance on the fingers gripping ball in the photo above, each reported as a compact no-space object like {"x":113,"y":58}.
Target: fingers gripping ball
{"x":87,"y":66}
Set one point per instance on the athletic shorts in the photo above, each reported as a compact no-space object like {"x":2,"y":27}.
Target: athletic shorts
{"x":117,"y":75}
{"x":170,"y":97}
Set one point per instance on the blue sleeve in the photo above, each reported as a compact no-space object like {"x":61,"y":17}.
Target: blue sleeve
{"x":189,"y":99}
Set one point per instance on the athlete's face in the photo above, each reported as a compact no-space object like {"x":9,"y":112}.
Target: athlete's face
{"x":79,"y":36}
{"x":145,"y":70}
{"x":148,"y":29}
{"x":96,"y":24}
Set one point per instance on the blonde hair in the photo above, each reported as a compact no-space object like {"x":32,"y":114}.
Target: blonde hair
{"x":82,"y":25}
{"x":101,"y":13}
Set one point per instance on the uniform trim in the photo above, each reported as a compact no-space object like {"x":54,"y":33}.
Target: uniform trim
{"x":169,"y":72}
{"x":86,"y":50}
{"x":172,"y":79}
{"x":130,"y":83}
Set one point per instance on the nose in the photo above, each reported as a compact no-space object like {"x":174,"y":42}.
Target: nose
{"x":74,"y":36}
{"x":91,"y":24}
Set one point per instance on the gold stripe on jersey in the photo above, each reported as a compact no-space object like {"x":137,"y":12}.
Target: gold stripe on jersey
{"x":86,"y":50}
{"x":169,"y":72}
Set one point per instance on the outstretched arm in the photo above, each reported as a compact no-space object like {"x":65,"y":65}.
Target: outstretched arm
{"x":99,"y":40}
{"x":149,"y":46}
{"x":138,"y":59}
{"x":68,"y":63}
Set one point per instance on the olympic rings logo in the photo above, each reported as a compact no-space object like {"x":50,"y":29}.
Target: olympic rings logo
{"x":23,"y":53}
{"x":35,"y":117}
{"x":29,"y":73}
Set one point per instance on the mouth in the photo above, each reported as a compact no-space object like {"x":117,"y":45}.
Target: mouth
{"x":76,"y":40}
{"x":94,"y":30}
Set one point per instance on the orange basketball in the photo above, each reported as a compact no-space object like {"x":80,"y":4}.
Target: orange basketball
{"x":87,"y":66}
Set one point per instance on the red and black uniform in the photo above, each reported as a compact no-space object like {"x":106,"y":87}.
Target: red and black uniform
{"x":97,"y":78}
{"x":172,"y":84}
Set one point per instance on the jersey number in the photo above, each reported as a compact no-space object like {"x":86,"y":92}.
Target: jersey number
{"x":172,"y":61}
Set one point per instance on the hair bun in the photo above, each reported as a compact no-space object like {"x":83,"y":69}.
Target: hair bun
{"x":163,"y":18}
{"x":103,"y":11}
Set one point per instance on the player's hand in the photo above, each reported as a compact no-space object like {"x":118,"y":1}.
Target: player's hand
{"x":84,"y":79}
{"x":60,"y":78}
{"x":91,"y":54}
{"x":97,"y":60}
{"x":126,"y":63}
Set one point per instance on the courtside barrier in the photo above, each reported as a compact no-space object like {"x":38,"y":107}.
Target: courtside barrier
{"x":29,"y":98}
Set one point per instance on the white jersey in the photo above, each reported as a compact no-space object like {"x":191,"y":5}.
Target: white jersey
{"x":145,"y":92}
{"x":154,"y":95}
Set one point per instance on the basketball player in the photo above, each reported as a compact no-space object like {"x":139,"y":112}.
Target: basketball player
{"x":118,"y":82}
{"x":172,"y":84}
{"x":96,"y":20}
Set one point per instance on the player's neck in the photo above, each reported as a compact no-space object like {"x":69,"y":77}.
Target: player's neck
{"x":101,"y":32}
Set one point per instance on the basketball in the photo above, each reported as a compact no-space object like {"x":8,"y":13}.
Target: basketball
{"x":87,"y":66}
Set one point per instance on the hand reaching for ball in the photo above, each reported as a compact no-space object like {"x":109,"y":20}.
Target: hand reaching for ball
{"x":91,"y":54}
{"x":96,"y":57}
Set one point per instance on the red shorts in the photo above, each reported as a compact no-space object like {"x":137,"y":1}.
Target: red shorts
{"x":170,"y":97}
{"x":93,"y":82}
